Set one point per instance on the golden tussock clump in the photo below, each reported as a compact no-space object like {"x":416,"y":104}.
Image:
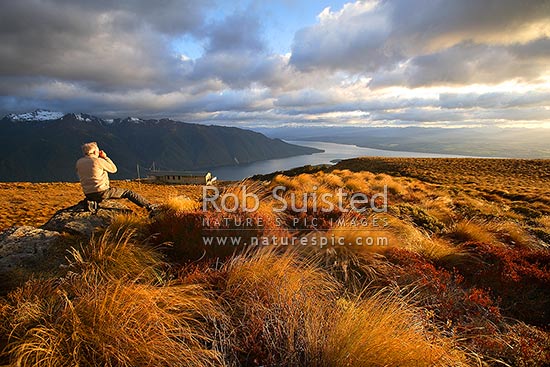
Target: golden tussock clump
{"x":181,"y":203}
{"x":470,"y":231}
{"x":276,"y":302}
{"x":332,"y":181}
{"x":115,"y":255}
{"x":383,"y":330}
{"x":511,"y":233}
{"x":289,"y":312}
{"x":111,"y":324}
{"x":544,"y":221}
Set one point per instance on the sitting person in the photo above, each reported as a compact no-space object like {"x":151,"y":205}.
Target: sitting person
{"x":93,"y":169}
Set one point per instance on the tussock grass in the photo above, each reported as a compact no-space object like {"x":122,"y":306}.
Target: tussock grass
{"x":474,"y":206}
{"x":289,"y":312}
{"x":276,"y":303}
{"x":411,"y":238}
{"x":306,"y":182}
{"x":441,"y":209}
{"x":461,"y":250}
{"x":383,"y":181}
{"x":115,"y":255}
{"x":385,"y":331}
{"x":129,"y":223}
{"x":544,"y":221}
{"x":436,"y":248}
{"x":513,"y":234}
{"x":331,"y":180}
{"x":181,"y":203}
{"x":111,"y":324}
{"x":247,"y":198}
{"x":348,"y":249}
{"x":351,"y":265}
{"x":470,"y":231}
{"x":282,"y":180}
{"x":355,"y":184}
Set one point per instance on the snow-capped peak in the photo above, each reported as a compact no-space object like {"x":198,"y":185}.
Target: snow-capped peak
{"x":81,"y":117}
{"x":37,"y":115}
{"x":135,"y":120}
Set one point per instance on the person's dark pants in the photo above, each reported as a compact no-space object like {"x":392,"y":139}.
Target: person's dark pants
{"x":117,"y":193}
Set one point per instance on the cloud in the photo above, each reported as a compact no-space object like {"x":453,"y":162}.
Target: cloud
{"x":236,"y":54}
{"x":469,"y":63}
{"x":438,"y":41}
{"x":494,"y":100}
{"x":240,"y":31}
{"x":350,"y":39}
{"x":99,"y":46}
{"x":172,"y":17}
{"x":385,"y":62}
{"x":237,"y":70}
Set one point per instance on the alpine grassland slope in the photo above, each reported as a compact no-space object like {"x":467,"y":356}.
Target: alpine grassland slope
{"x":441,"y":263}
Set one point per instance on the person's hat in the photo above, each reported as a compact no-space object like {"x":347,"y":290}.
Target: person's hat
{"x":90,"y":148}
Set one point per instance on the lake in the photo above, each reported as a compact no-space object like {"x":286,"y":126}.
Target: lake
{"x":332,"y":152}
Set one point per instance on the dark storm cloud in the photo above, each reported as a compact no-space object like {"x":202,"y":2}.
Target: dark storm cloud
{"x":379,"y":37}
{"x":471,"y":63}
{"x":101,"y":45}
{"x":236,"y":54}
{"x":442,"y":23}
{"x":167,"y":16}
{"x":235,"y":33}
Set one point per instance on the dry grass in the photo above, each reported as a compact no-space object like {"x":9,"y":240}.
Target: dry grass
{"x":112,"y":309}
{"x":314,"y":305}
{"x":112,"y":324}
{"x":276,"y":303}
{"x":384,"y":331}
{"x":503,"y":180}
{"x":129,"y":223}
{"x":441,"y":209}
{"x":544,"y":221}
{"x":116,"y":255}
{"x":332,"y":180}
{"x":355,"y":184}
{"x":34,"y":204}
{"x":181,"y":203}
{"x":470,"y":231}
{"x":511,"y":233}
{"x":291,"y":313}
{"x":285,"y":181}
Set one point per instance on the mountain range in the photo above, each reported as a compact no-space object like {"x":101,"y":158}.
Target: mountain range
{"x":43,"y":146}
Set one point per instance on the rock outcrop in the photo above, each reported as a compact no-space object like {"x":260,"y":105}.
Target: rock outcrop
{"x":20,"y":246}
{"x":78,"y":220}
{"x":26,"y":250}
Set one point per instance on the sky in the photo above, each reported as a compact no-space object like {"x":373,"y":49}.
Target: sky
{"x":254,"y":63}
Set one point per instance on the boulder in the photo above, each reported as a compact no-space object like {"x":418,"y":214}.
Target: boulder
{"x":27,"y":251}
{"x":20,"y":246}
{"x":78,"y":220}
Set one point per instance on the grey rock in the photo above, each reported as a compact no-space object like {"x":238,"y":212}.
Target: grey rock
{"x":20,"y":246}
{"x":26,"y":251}
{"x":78,"y":220}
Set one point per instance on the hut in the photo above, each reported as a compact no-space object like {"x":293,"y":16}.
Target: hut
{"x":181,"y":177}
